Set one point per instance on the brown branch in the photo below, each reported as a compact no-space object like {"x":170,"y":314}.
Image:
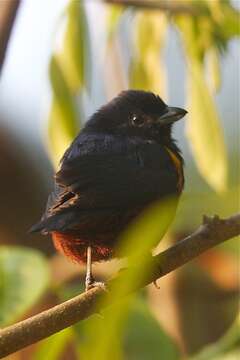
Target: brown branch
{"x":173,"y":6}
{"x":213,"y":232}
{"x":8,"y":10}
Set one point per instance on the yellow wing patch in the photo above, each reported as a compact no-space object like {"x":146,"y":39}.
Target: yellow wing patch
{"x":178,"y":165}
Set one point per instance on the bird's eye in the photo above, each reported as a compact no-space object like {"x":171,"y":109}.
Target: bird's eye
{"x":137,"y":120}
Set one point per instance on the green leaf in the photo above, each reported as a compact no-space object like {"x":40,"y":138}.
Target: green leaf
{"x":24,"y":277}
{"x":59,"y":135}
{"x":63,"y":119}
{"x":68,"y":72}
{"x":204,"y":130}
{"x":74,"y":55}
{"x":226,"y":19}
{"x":208,"y":202}
{"x":114,"y":15}
{"x":136,"y":242}
{"x":147,"y":70}
{"x":144,"y":338}
{"x":52,"y":347}
{"x":139,"y":78}
{"x":128,"y":330}
{"x":108,"y":342}
{"x":217,"y":23}
{"x":213,"y":69}
{"x":147,"y":231}
{"x":62,"y":95}
{"x":195,"y":41}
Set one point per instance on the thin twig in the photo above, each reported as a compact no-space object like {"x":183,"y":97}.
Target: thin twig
{"x":8,"y":10}
{"x":212,"y":232}
{"x":173,"y":6}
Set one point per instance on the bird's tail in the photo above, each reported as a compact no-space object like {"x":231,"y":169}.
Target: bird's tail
{"x":57,"y":222}
{"x":38,"y":227}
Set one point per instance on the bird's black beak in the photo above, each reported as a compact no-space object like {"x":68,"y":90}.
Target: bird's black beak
{"x":171,"y":115}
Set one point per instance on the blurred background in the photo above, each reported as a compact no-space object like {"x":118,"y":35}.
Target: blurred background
{"x":64,"y":60}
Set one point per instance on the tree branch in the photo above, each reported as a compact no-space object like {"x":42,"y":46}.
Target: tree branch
{"x":8,"y":10}
{"x":213,"y":232}
{"x":173,"y":6}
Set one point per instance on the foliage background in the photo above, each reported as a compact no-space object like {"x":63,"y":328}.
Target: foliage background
{"x":94,"y":52}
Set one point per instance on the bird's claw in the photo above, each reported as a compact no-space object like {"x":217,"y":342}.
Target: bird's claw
{"x":93,"y":284}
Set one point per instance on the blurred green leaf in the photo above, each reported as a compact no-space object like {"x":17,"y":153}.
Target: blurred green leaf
{"x":227,"y":348}
{"x":139,"y":76}
{"x":59,"y":138}
{"x":114,"y":71}
{"x":226,"y":20}
{"x":114,"y":15}
{"x":63,"y":117}
{"x":147,"y":72}
{"x":230,"y":27}
{"x":53,"y":347}
{"x":109,"y":327}
{"x":74,"y":55}
{"x":68,"y":71}
{"x":134,"y":334}
{"x":205,"y":202}
{"x":213,"y":69}
{"x":232,"y":355}
{"x":147,"y":231}
{"x":204,"y":130}
{"x":204,"y":38}
{"x":136,"y":243}
{"x":24,"y":277}
{"x":63,"y":97}
{"x":217,"y":23}
{"x":196,"y":35}
{"x":144,"y":338}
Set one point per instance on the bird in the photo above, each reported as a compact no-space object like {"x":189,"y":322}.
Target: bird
{"x":123,"y":159}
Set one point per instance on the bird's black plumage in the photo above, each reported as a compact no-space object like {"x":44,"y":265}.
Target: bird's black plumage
{"x":122,"y":160}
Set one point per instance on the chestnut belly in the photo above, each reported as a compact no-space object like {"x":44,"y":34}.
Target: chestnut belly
{"x":75,"y":248}
{"x":101,"y":233}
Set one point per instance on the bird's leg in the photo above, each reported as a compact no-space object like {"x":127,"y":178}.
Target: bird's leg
{"x":89,"y":280}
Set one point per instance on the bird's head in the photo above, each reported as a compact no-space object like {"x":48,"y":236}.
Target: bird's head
{"x":136,"y":113}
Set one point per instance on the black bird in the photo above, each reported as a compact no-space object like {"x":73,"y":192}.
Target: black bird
{"x":122,"y":160}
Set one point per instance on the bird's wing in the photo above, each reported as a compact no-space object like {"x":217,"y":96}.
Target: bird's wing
{"x":114,"y":177}
{"x":107,"y":176}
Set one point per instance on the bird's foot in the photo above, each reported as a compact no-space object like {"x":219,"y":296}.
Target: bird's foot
{"x":90,"y":283}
